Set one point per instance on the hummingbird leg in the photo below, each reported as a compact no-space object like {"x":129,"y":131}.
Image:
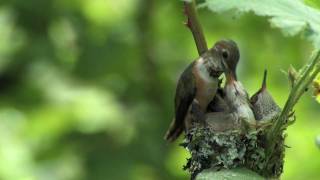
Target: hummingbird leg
{"x":197,"y":115}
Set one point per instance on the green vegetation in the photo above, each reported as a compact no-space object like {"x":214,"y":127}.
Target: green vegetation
{"x":241,"y":174}
{"x":86,"y":87}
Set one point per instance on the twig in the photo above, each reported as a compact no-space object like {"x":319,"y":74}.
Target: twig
{"x":194,"y":26}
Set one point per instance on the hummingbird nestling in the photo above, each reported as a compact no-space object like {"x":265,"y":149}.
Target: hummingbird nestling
{"x":264,"y":107}
{"x":199,"y":81}
{"x":235,"y":95}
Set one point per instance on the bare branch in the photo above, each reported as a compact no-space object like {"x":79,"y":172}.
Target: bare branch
{"x":194,"y":26}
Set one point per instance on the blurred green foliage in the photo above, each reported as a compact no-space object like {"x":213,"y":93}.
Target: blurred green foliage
{"x":86,"y":87}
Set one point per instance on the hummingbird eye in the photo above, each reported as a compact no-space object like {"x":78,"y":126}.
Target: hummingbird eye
{"x":225,"y":54}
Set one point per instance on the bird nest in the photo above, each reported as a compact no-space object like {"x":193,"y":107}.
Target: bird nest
{"x":233,"y":147}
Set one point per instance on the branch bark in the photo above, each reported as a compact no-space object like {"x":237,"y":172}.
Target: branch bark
{"x":195,"y":27}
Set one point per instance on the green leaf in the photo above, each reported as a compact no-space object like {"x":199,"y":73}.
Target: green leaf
{"x":316,"y":88}
{"x":229,"y":174}
{"x":292,"y":16}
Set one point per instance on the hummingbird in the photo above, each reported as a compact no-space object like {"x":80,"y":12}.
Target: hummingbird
{"x":236,"y":96}
{"x":264,"y":107}
{"x":198,"y":83}
{"x":231,"y":56}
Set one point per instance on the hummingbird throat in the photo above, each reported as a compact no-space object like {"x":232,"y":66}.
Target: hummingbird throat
{"x":205,"y":69}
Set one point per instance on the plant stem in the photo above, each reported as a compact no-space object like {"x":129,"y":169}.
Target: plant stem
{"x":307,"y":75}
{"x":194,"y":26}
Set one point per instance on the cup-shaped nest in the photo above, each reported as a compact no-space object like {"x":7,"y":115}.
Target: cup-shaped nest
{"x":226,"y":143}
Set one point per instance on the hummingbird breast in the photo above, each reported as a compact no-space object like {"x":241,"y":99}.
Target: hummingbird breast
{"x":206,"y":85}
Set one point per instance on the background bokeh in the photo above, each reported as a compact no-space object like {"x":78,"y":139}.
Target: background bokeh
{"x":87,"y":87}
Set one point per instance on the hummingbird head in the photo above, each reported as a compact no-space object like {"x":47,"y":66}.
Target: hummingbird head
{"x":228,"y":51}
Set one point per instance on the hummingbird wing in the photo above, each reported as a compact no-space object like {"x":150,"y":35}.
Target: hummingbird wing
{"x":185,"y":93}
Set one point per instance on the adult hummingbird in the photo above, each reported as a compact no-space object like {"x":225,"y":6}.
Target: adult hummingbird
{"x":198,"y":83}
{"x":264,"y":107}
{"x":231,"y":56}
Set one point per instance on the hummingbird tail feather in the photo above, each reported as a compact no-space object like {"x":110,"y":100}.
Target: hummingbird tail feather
{"x":173,"y":132}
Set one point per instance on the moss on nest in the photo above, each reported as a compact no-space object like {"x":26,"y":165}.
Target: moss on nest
{"x":232,"y":149}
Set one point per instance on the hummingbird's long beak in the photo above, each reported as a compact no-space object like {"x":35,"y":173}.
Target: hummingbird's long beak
{"x":229,"y":74}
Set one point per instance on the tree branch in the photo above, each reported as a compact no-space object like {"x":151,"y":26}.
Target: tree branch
{"x":194,"y":26}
